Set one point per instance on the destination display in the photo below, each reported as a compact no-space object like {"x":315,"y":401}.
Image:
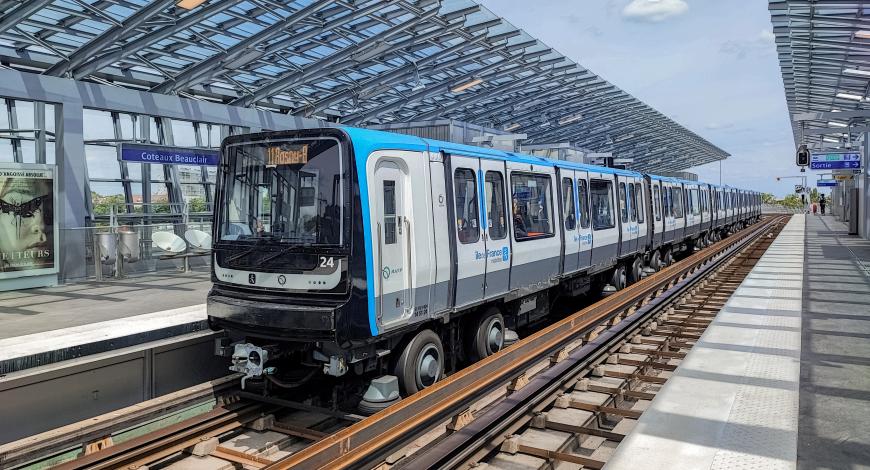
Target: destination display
{"x":826,"y":183}
{"x":168,"y":155}
{"x":28,"y":230}
{"x":835,"y":161}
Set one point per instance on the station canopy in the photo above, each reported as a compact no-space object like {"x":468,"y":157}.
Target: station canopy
{"x":360,"y":62}
{"x":824,"y":54}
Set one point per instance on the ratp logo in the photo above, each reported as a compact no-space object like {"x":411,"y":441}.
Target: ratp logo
{"x":385,"y":273}
{"x":505,"y":254}
{"x":252,"y":278}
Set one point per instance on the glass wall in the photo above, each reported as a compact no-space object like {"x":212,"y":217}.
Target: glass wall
{"x":26,"y":132}
{"x":147,"y":188}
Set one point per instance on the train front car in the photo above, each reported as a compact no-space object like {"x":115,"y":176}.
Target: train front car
{"x":287,"y":250}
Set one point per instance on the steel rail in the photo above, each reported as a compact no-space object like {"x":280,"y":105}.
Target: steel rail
{"x":150,"y":447}
{"x":486,"y":432}
{"x":373,"y":438}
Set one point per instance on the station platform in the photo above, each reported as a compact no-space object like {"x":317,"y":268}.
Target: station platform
{"x":72,"y":352}
{"x":781,"y":378}
{"x":50,"y":325}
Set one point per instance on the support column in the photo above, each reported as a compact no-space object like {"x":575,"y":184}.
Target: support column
{"x":72,"y":190}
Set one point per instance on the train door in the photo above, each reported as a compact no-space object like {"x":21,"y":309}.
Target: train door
{"x":678,"y":199}
{"x":570,"y":225}
{"x":394,"y":247}
{"x":403,"y":234}
{"x":495,"y":222}
{"x":657,"y":219}
{"x":604,"y":214}
{"x":470,"y":245}
{"x":668,"y":212}
{"x":640,"y":205}
{"x":585,"y":220}
{"x":628,"y":238}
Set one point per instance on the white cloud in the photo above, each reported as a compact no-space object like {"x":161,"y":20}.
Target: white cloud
{"x":654,"y":10}
{"x":767,"y":35}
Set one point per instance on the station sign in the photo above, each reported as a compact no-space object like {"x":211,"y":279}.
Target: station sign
{"x":842,"y":177}
{"x":826,"y":183}
{"x":835,"y":161}
{"x":142,"y":153}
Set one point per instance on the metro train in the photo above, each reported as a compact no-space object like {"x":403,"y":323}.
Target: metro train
{"x":353,"y":251}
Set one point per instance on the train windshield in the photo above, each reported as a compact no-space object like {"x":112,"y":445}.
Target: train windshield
{"x":290,"y":191}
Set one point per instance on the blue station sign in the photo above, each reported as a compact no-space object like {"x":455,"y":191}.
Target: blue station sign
{"x":168,"y":155}
{"x":835,"y":161}
{"x":826,"y":183}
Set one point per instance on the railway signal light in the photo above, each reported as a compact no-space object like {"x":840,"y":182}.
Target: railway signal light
{"x":803,"y":156}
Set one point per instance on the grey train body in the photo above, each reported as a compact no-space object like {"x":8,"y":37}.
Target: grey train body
{"x":448,"y":238}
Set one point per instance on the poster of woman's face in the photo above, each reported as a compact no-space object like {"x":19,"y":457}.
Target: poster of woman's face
{"x":26,"y":219}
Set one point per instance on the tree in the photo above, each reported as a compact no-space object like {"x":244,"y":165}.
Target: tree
{"x":792,"y":201}
{"x":767,"y":198}
{"x":814,"y":195}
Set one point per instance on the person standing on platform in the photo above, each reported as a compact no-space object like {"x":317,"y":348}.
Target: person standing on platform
{"x":822,"y":203}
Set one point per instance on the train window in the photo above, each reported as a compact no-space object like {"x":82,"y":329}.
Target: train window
{"x":668,"y":205}
{"x":568,"y":204}
{"x":532,"y":206}
{"x":389,"y":212}
{"x":583,"y":190}
{"x":623,"y":204}
{"x":638,"y":202}
{"x":677,"y":201}
{"x":601,"y":192}
{"x":465,"y":194}
{"x":696,"y":207}
{"x":496,"y":216}
{"x":657,"y":203}
{"x":632,"y":200}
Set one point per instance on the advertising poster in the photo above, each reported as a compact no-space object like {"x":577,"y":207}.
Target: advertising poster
{"x":28,"y":229}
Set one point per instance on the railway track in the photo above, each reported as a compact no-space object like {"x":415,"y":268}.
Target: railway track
{"x":577,"y":385}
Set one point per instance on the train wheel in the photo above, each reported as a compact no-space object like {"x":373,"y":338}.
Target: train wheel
{"x":421,"y":363}
{"x":635,"y":272}
{"x":619,"y":277}
{"x":488,"y":336}
{"x":655,"y":261}
{"x":668,"y":258}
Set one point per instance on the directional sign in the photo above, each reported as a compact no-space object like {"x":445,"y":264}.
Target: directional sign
{"x":835,"y":161}
{"x":826,"y":183}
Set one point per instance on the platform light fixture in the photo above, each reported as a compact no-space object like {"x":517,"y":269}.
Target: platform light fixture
{"x":569,"y":119}
{"x":512,"y":127}
{"x":837,"y":124}
{"x":464,"y":86}
{"x":190,"y":4}
{"x":831,"y":140}
{"x":863,"y":73}
{"x":849,"y":96}
{"x":862,"y":34}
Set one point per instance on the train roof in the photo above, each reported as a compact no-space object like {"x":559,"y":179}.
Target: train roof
{"x":367,"y":140}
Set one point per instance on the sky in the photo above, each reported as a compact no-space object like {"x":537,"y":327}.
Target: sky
{"x":709,"y":65}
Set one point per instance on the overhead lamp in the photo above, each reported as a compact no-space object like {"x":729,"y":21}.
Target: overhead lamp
{"x":849,"y":96}
{"x":863,"y":34}
{"x":466,"y":85}
{"x":831,"y":140}
{"x":570,"y":119}
{"x":863,"y":73}
{"x":189,"y":4}
{"x":512,"y":127}
{"x":837,"y":124}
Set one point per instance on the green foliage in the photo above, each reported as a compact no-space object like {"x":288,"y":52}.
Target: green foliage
{"x":197,"y":204}
{"x":814,"y":195}
{"x":103,"y":204}
{"x":767,"y":198}
{"x":792,"y":201}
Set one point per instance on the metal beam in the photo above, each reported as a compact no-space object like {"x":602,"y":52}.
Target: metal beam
{"x":219,"y":62}
{"x":109,"y":37}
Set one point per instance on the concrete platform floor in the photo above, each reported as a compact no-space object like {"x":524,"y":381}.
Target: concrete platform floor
{"x":32,"y":311}
{"x":834,"y":425}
